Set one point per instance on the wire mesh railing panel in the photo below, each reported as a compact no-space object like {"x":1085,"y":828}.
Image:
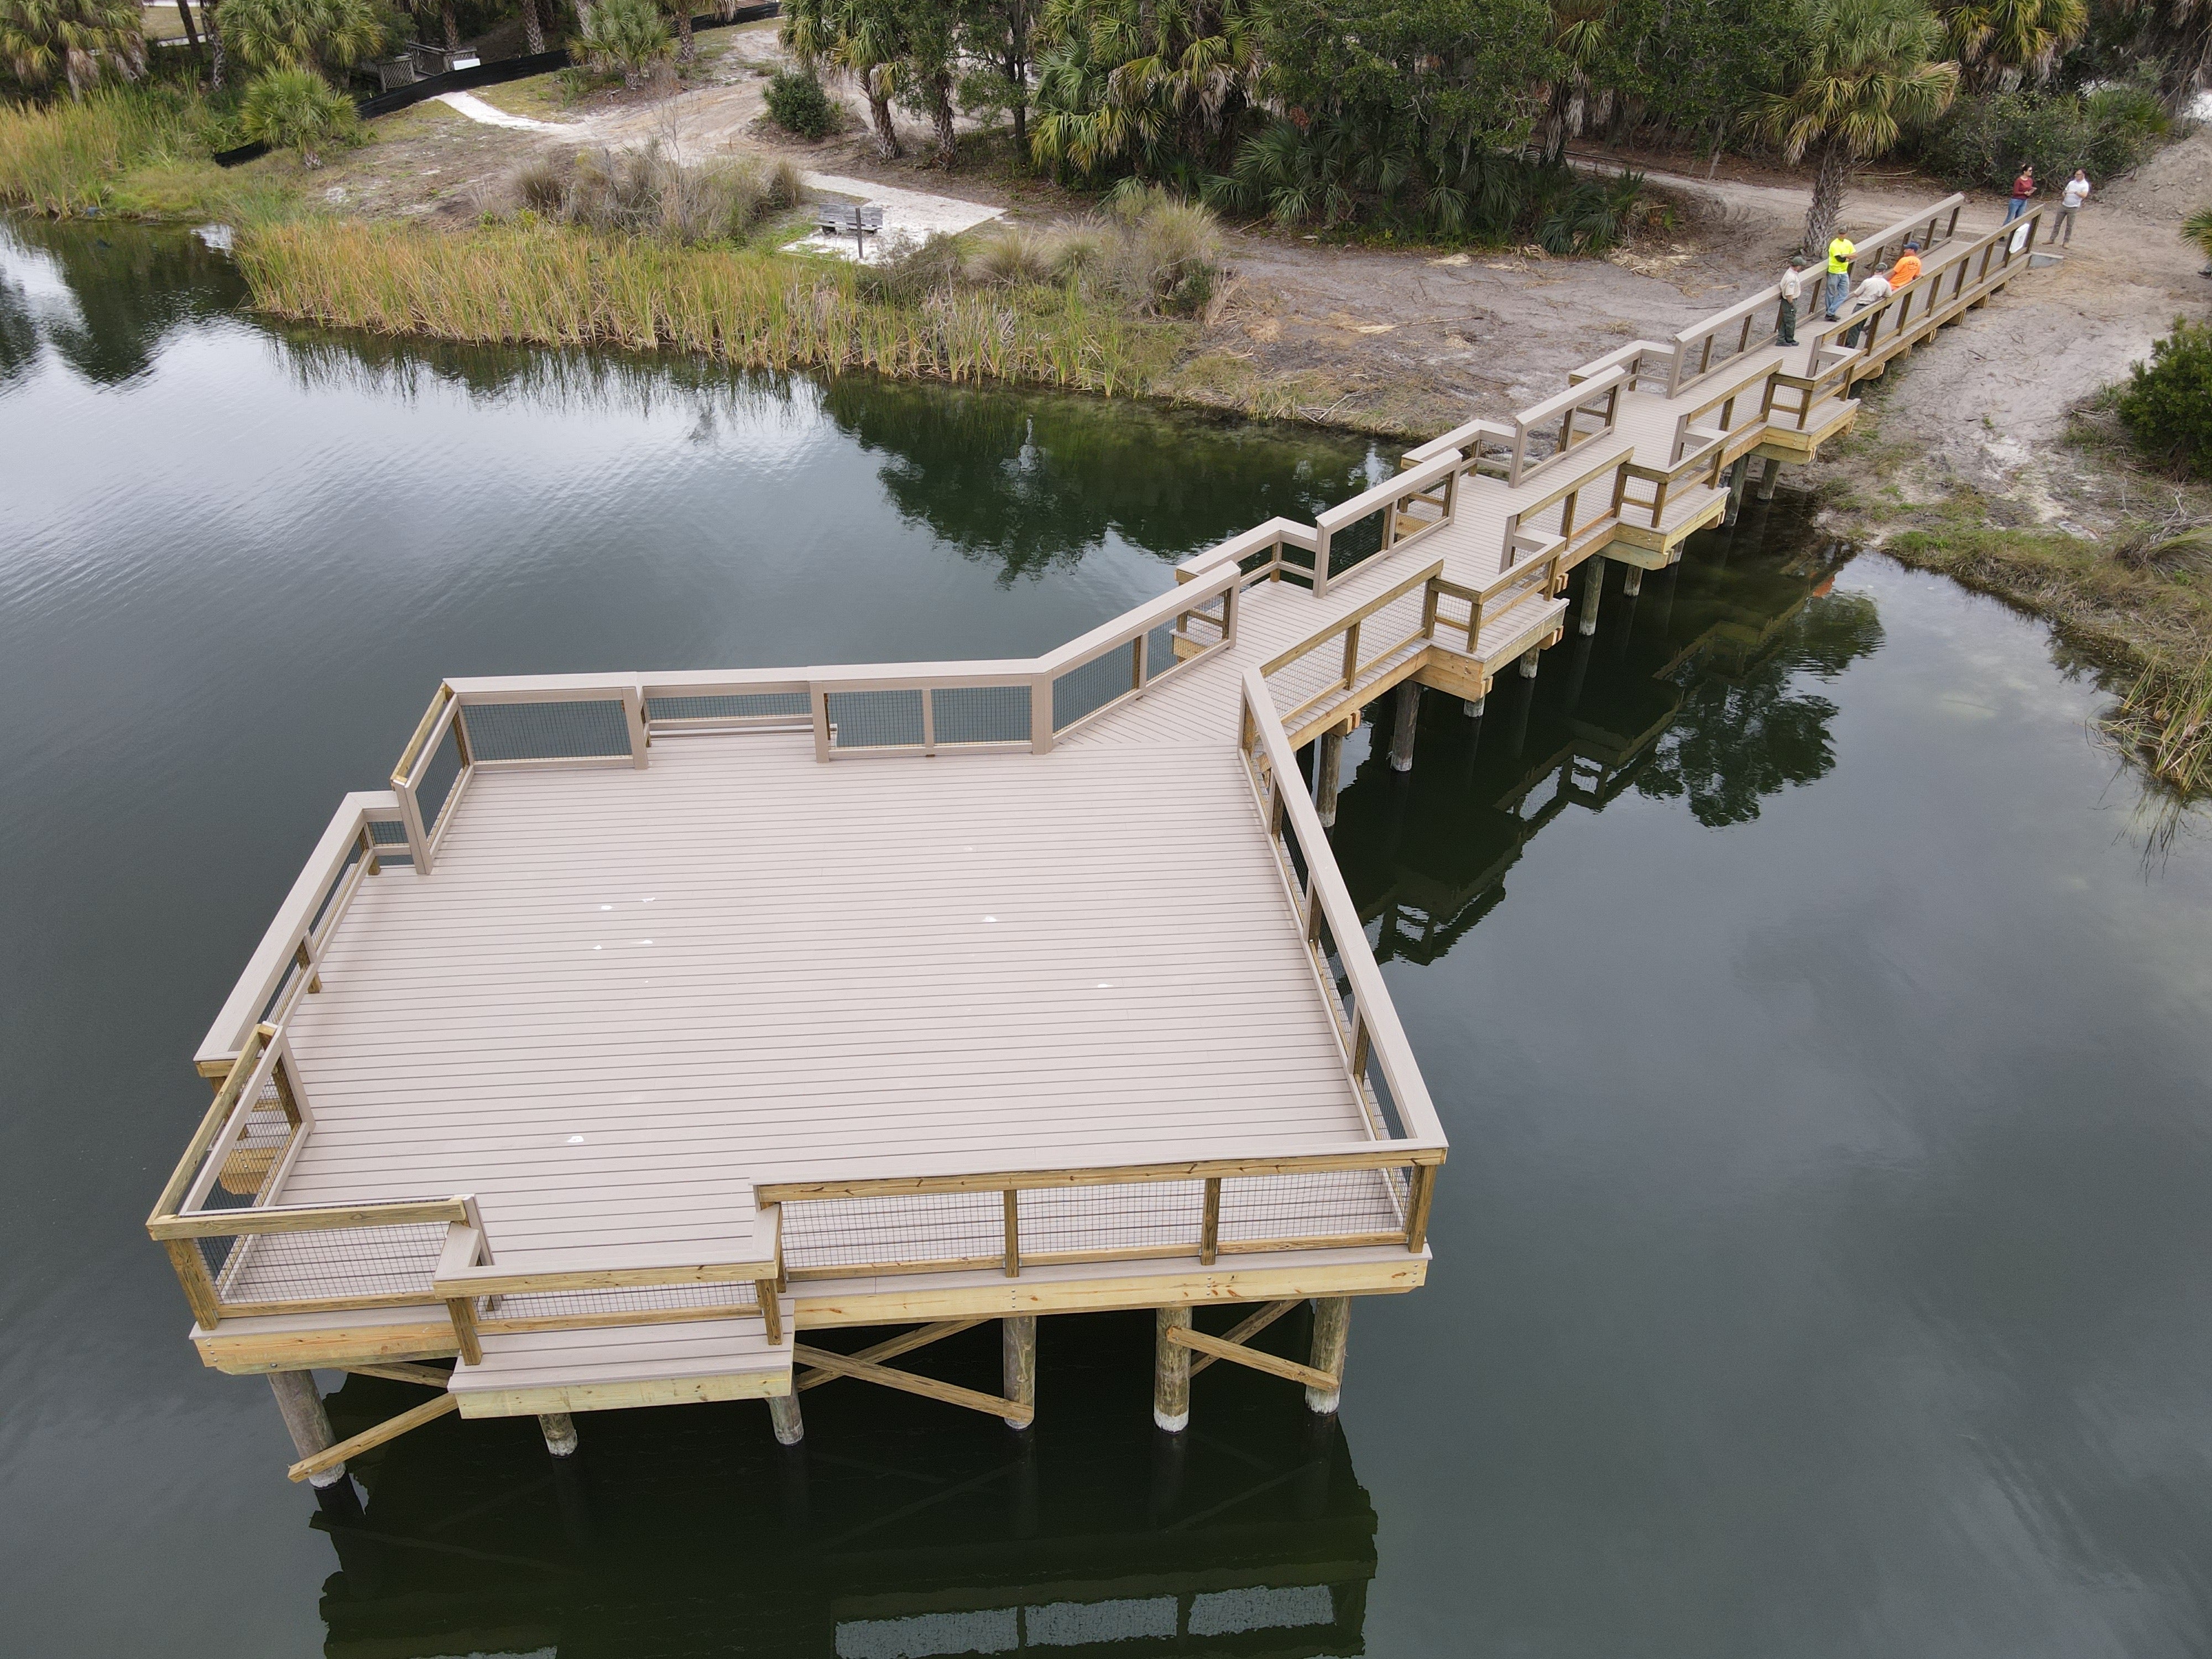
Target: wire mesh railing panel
{"x":580,"y":730}
{"x":876,"y":719}
{"x":829,"y":1234}
{"x":981,"y":713}
{"x":737,"y":706}
{"x":1318,"y":1205}
{"x":328,"y":1265}
{"x":1360,"y":540}
{"x":1384,"y":1103}
{"x":630,"y":1304}
{"x":1088,"y":688}
{"x":1333,"y":957}
{"x":439,"y":777}
{"x":387,"y":832}
{"x":1160,"y":649}
{"x":1158,"y":1217}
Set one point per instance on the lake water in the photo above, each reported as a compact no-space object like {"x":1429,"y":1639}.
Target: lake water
{"x":1820,"y":1021}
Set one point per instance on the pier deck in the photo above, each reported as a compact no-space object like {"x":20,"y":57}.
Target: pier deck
{"x":651,"y":1019}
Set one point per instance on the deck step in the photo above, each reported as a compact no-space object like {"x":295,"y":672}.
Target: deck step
{"x":609,"y":1366}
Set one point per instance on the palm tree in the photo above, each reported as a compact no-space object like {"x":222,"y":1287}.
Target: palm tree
{"x":2003,"y":42}
{"x":1866,"y":70}
{"x":73,"y":40}
{"x":865,"y":40}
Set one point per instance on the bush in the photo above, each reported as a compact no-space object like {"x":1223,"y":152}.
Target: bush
{"x":797,"y":103}
{"x":2168,"y":402}
{"x":1983,"y":140}
{"x":297,"y":109}
{"x":648,"y":193}
{"x":630,"y":36}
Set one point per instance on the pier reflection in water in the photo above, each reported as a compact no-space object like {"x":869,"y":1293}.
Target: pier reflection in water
{"x":1695,"y":689}
{"x":896,"y":1528}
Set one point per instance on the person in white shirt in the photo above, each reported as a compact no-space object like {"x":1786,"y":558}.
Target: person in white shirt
{"x":2069,"y":203}
{"x":1793,"y":285}
{"x":1871,"y":292}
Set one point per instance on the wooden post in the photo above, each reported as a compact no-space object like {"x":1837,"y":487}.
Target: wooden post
{"x":1328,"y":761}
{"x":1593,"y":590}
{"x":1770,"y":478}
{"x":1474,"y":710}
{"x":783,"y":1413}
{"x":560,"y":1432}
{"x":1528,"y":664}
{"x":1332,"y":1327}
{"x":1404,"y":729}
{"x":1737,"y":474}
{"x":1017,"y":1363}
{"x":1170,"y":1372}
{"x":309,"y":1424}
{"x":1631,"y":581}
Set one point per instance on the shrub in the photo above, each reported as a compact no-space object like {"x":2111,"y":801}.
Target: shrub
{"x":297,"y":109}
{"x":1983,"y":140}
{"x":1163,"y":253}
{"x":2168,"y":402}
{"x":630,"y":36}
{"x":648,"y":193}
{"x":797,"y":103}
{"x":1012,"y":257}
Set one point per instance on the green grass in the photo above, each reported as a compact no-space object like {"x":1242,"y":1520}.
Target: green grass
{"x":541,"y":285}
{"x":139,"y":150}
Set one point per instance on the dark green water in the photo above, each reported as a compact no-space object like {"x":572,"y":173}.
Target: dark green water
{"x":1819,"y":1267}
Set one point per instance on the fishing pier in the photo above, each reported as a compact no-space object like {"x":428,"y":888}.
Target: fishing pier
{"x":649,"y":1023}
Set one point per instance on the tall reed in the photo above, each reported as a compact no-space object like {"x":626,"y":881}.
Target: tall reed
{"x":548,"y":286}
{"x":62,"y":157}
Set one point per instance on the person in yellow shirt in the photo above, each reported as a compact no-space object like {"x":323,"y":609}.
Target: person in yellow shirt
{"x":1839,"y":274}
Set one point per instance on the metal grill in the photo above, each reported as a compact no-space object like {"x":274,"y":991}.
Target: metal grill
{"x":1160,"y":651}
{"x":1359,"y":540}
{"x":439,"y":777}
{"x":632,"y":1304}
{"x":1160,"y":1217}
{"x":981,"y":713}
{"x":547,"y":730}
{"x":738,"y":705}
{"x":1088,"y":688}
{"x":876,"y":719}
{"x":922,"y":1229}
{"x":387,"y":832}
{"x":362,"y":1265}
{"x":1322,"y":1205}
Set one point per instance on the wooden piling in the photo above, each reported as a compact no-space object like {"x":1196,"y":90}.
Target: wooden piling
{"x":783,"y":1413}
{"x":1328,"y":761}
{"x":308,"y":1423}
{"x":1593,"y":591}
{"x":1407,"y":725}
{"x":1769,"y":478}
{"x":1528,"y":665}
{"x":1170,"y":1372}
{"x":1332,"y":1329}
{"x":1631,"y":581}
{"x":1473,"y":709}
{"x":560,"y":1432}
{"x":1737,"y":473}
{"x":1017,"y":1363}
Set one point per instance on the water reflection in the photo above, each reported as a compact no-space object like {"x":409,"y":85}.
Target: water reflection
{"x":899,"y":1527}
{"x":107,"y":303}
{"x":1699,"y":688}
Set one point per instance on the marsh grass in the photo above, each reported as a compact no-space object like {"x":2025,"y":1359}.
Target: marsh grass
{"x":65,"y":157}
{"x":547,"y":285}
{"x":2166,"y":722}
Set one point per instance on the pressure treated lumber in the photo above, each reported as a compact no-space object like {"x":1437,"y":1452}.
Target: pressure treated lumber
{"x":333,"y":1459}
{"x":1013,"y":1411}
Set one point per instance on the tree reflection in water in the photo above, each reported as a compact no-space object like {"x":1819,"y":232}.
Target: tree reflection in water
{"x":1701,"y":689}
{"x":899,"y":1527}
{"x":126,"y":295}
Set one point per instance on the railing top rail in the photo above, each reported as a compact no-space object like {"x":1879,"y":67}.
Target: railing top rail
{"x":1241,"y":547}
{"x":307,"y":1217}
{"x":1568,"y":485}
{"x":957,"y":1173}
{"x":1429,"y":471}
{"x":1620,"y":358}
{"x":1459,"y":436}
{"x":1559,"y":402}
{"x":255,"y":1053}
{"x":272,"y":957}
{"x":1336,"y":626}
{"x":1409,"y":1091}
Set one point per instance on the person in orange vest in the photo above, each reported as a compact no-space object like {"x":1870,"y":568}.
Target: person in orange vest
{"x":1907,"y":266}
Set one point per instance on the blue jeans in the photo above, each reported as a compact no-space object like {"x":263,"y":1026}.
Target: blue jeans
{"x":2019,"y":206}
{"x":1839,"y":289}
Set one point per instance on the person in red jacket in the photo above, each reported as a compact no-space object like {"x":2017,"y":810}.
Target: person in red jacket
{"x":2022,"y":188}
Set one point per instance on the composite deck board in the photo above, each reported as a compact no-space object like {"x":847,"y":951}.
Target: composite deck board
{"x":786,"y":1021}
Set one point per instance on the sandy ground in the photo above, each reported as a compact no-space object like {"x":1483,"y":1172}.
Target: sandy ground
{"x":1412,"y":342}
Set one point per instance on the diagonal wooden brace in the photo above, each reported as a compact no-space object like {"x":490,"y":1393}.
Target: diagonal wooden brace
{"x":1244,"y":1330}
{"x":990,"y":1404}
{"x":1222,"y":1348}
{"x":906,"y":1342}
{"x":391,"y":1429}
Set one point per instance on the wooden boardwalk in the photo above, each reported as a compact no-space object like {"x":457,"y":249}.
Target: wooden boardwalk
{"x":722,"y":1006}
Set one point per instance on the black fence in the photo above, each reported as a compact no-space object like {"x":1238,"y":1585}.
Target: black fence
{"x":488,"y":74}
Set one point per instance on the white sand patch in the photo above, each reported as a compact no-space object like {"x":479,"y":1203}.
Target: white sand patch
{"x":476,"y":110}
